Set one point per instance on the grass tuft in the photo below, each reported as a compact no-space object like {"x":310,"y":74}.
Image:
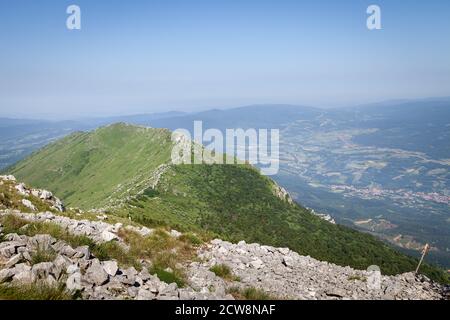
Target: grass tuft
{"x":42,"y":255}
{"x":250,"y":294}
{"x":224,"y":272}
{"x":35,"y":291}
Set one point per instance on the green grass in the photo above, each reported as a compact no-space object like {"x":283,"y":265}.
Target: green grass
{"x":87,"y":168}
{"x":224,"y":272}
{"x":191,"y":238}
{"x":250,"y":294}
{"x":168,"y":276}
{"x":35,"y":291}
{"x":164,"y":251}
{"x":42,"y":255}
{"x":233,"y":202}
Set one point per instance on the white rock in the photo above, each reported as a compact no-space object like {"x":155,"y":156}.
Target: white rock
{"x":8,"y":178}
{"x":145,"y":295}
{"x":46,"y":195}
{"x":28,"y":204}
{"x":110,"y":267}
{"x":145,"y":231}
{"x":288,"y":261}
{"x":73,"y":268}
{"x":257,"y":264}
{"x":13,"y":261}
{"x":175,"y":233}
{"x":74,"y":282}
{"x":108,"y":236}
{"x":21,"y":189}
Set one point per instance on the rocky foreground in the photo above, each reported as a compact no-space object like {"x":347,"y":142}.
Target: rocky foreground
{"x":279,"y":272}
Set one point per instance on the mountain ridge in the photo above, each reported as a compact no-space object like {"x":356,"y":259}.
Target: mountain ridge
{"x":233,"y":201}
{"x":38,"y":248}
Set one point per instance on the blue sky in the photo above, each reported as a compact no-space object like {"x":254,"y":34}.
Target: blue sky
{"x":152,"y":56}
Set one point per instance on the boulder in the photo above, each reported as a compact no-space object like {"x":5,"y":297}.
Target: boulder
{"x":82,"y":252}
{"x":108,"y":236}
{"x":96,"y":274}
{"x":45,"y":195}
{"x":145,"y":231}
{"x":73,"y":268}
{"x":110,"y":267}
{"x":27,"y":203}
{"x":145,"y":295}
{"x":42,"y":270}
{"x":6,"y":275}
{"x":21,"y":189}
{"x":24,"y":276}
{"x":74,"y":281}
{"x":13,"y":261}
{"x":8,"y":251}
{"x":129,"y":276}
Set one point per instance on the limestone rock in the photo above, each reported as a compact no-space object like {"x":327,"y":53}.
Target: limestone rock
{"x":110,"y":267}
{"x":96,"y":274}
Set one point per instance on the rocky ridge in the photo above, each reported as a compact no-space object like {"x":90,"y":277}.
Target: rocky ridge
{"x":280,"y":272}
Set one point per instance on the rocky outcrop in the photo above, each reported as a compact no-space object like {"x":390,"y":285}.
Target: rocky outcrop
{"x":279,"y":272}
{"x":80,"y":271}
{"x":281,"y":193}
{"x":44,"y":195}
{"x":286,"y":274}
{"x":98,"y":231}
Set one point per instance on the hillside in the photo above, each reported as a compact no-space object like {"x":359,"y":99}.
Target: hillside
{"x":70,"y":254}
{"x":114,"y":167}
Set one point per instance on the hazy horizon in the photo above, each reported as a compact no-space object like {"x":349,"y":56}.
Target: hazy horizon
{"x":149,"y":57}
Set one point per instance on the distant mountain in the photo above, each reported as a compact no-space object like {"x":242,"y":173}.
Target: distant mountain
{"x":126,"y":169}
{"x":255,"y":116}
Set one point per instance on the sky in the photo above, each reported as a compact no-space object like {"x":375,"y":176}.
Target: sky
{"x":189,"y":55}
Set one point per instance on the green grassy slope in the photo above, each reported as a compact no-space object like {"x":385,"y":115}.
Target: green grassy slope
{"x":92,"y":169}
{"x":233,"y":201}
